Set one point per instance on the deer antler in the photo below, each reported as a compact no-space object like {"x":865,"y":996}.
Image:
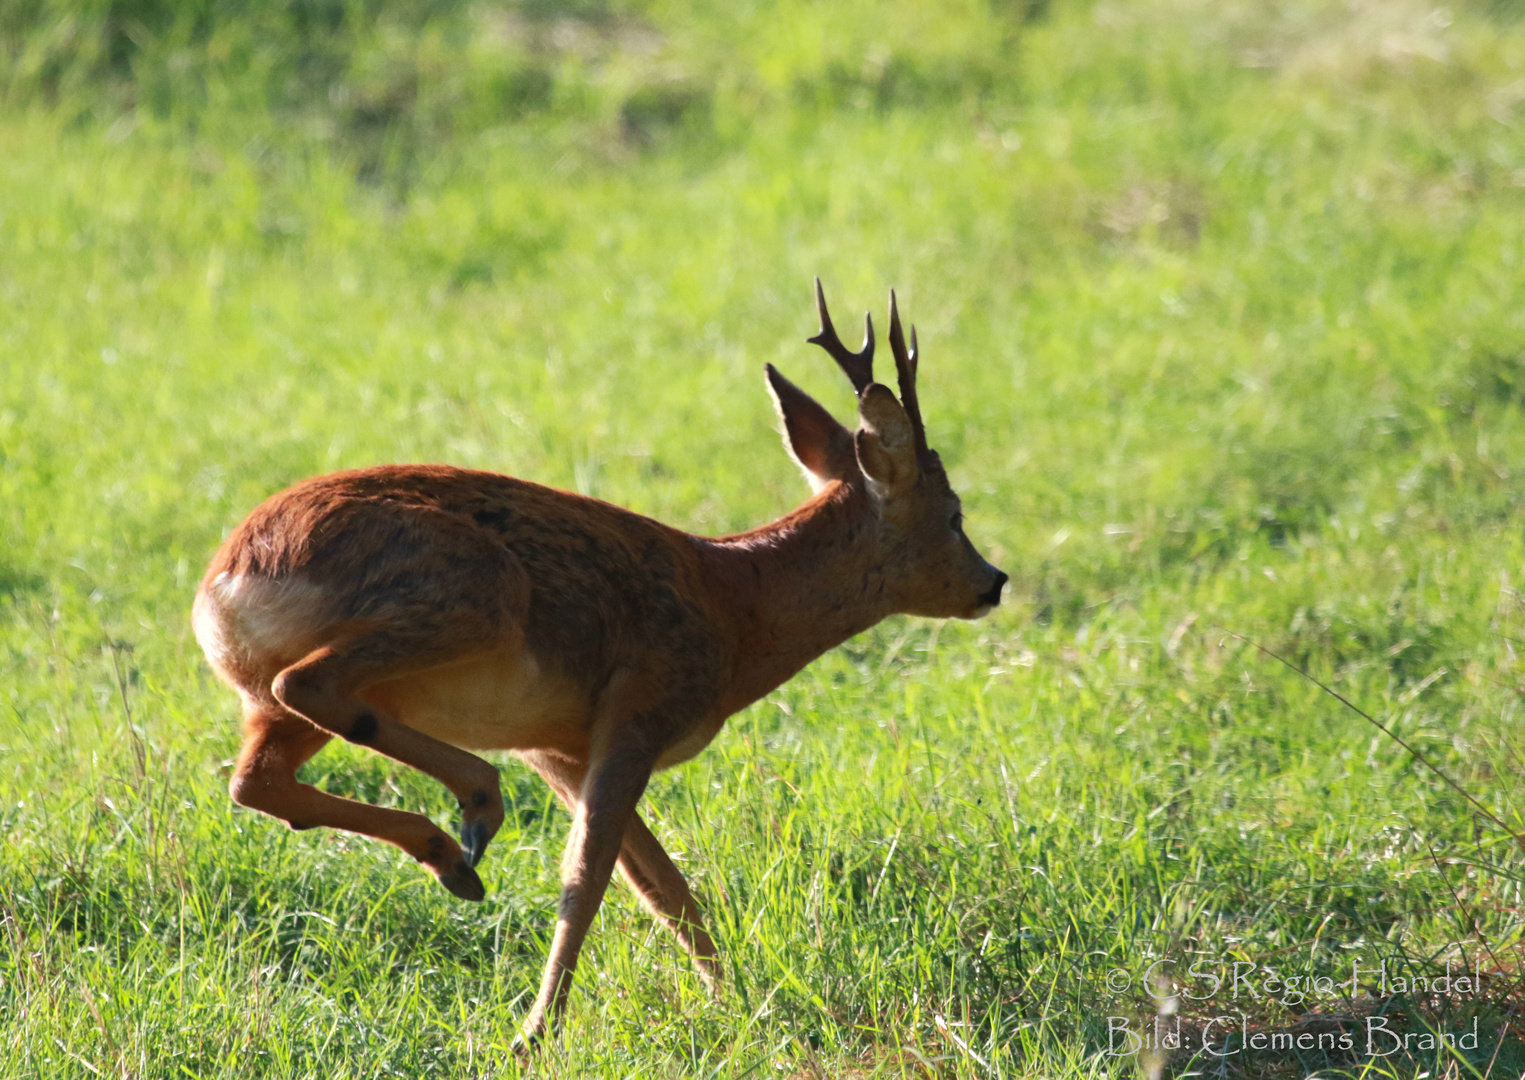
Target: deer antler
{"x":905,"y":371}
{"x":859,"y":366}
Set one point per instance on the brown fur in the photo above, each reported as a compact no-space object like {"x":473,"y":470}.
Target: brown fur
{"x":426,"y":611}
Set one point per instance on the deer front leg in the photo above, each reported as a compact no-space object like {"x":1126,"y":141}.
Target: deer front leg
{"x":602,"y":813}
{"x":651,"y":872}
{"x":645,"y":865}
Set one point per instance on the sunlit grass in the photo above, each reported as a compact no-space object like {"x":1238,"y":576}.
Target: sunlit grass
{"x":1223,"y":319}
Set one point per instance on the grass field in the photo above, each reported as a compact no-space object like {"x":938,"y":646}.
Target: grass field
{"x":1222,"y":307}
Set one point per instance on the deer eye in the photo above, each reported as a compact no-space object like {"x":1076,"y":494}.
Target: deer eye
{"x":956,"y":522}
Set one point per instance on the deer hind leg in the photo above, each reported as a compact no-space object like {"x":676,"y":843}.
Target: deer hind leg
{"x":321,"y":687}
{"x":645,"y":865}
{"x":276,"y":743}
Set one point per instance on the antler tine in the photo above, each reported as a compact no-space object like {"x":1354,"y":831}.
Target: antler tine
{"x":905,"y":371}
{"x":859,"y":366}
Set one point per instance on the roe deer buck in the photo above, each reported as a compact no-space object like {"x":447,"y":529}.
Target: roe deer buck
{"x":426,"y":611}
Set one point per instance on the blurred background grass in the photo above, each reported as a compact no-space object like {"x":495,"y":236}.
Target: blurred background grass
{"x":1222,"y":313}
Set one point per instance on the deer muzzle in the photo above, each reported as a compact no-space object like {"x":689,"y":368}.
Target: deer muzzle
{"x":993,"y":597}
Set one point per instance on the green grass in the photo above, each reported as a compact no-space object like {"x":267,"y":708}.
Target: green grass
{"x":1223,"y":314}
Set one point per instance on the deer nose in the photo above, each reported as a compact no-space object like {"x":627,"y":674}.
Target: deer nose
{"x":993,"y":597}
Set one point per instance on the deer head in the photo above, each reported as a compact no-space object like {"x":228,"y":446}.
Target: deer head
{"x":916,"y":519}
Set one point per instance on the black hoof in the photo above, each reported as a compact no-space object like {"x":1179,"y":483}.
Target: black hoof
{"x":522,"y":1046}
{"x":474,"y":840}
{"x":462,"y":880}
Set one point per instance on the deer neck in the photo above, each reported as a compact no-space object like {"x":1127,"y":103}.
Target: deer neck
{"x":797,"y":587}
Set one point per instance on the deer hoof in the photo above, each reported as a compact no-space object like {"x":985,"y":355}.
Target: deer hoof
{"x":474,"y":839}
{"x":462,"y":880}
{"x":524,"y":1045}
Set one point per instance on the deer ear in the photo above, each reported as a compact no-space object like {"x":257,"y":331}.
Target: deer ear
{"x":820,"y":445}
{"x":885,"y":441}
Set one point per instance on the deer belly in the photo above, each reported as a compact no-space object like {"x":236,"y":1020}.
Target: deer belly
{"x":499,"y":700}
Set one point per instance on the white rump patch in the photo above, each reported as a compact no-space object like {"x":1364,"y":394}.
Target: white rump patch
{"x":242,"y":618}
